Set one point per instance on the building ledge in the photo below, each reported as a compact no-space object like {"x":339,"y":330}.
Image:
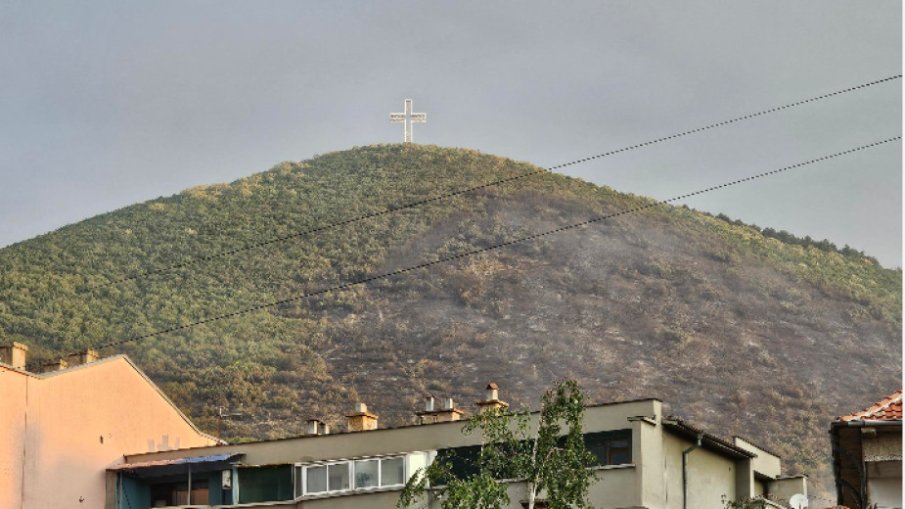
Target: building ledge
{"x":613,"y":467}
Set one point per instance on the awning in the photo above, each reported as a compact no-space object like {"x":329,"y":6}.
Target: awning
{"x":156,"y":468}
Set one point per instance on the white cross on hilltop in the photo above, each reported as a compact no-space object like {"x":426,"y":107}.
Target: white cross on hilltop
{"x":408,"y":118}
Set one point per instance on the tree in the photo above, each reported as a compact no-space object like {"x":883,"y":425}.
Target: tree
{"x":751,"y":503}
{"x":550,"y":458}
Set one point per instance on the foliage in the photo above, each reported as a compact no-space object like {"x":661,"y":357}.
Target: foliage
{"x":551,"y":459}
{"x":753,"y":503}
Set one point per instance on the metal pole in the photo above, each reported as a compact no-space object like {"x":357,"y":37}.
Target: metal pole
{"x":685,"y":454}
{"x":188,"y":500}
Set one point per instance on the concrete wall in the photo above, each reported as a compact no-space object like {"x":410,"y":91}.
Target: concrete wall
{"x":783,"y":489}
{"x":882,"y":444}
{"x":13,"y":387}
{"x":710,"y":477}
{"x":81,"y":421}
{"x":884,"y":483}
{"x":765,"y":463}
{"x":886,"y":493}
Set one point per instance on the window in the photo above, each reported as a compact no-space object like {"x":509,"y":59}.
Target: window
{"x":316,"y":479}
{"x":350,"y":475}
{"x":367,"y":474}
{"x":610,"y":447}
{"x":463,"y":461}
{"x":264,"y":484}
{"x":338,"y":477}
{"x":392,"y":471}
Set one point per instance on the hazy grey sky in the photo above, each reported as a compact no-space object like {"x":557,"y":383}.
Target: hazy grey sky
{"x":108,"y":103}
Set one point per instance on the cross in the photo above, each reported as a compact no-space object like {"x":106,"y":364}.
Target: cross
{"x":408,"y":118}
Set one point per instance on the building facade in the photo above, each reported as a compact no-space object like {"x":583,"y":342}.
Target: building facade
{"x":644,"y":460}
{"x":65,"y":427}
{"x":867,"y":455}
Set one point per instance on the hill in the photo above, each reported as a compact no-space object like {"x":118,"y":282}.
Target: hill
{"x":766,"y":336}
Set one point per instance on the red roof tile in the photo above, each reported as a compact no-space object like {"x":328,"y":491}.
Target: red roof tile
{"x":888,"y":409}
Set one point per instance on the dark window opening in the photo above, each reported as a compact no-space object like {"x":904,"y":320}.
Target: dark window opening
{"x":265,"y":484}
{"x":610,"y":447}
{"x":177,"y":493}
{"x":463,"y":461}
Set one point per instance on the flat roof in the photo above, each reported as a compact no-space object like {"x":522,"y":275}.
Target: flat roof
{"x":388,"y":428}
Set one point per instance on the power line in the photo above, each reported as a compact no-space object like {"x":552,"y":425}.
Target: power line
{"x":418,"y":203}
{"x":386,"y":275}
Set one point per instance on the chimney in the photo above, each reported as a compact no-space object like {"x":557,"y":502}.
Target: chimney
{"x":446,"y":413}
{"x":316,"y":427}
{"x":55,"y":366}
{"x":361,"y":420}
{"x":491,"y":399}
{"x":83,"y":357}
{"x":14,"y":354}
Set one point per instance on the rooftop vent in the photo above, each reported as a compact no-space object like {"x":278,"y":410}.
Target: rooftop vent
{"x":14,"y":354}
{"x":361,"y":419}
{"x":83,"y":357}
{"x":316,"y":427}
{"x":58,"y":365}
{"x":491,"y":399}
{"x":446,"y":413}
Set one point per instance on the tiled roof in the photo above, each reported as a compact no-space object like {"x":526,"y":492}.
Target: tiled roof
{"x":888,"y":409}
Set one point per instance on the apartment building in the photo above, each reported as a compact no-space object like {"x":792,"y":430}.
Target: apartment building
{"x":65,"y":426}
{"x":644,"y":460}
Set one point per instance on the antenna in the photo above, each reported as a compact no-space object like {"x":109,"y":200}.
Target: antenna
{"x":220,"y":417}
{"x":798,"y":501}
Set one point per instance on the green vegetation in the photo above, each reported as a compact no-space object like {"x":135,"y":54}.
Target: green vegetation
{"x":553,"y":459}
{"x":740,"y":330}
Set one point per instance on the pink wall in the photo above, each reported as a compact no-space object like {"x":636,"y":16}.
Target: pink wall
{"x":12,"y":422}
{"x":81,"y":421}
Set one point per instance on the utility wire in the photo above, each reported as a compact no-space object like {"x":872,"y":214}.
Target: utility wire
{"x":386,"y":275}
{"x":418,"y":203}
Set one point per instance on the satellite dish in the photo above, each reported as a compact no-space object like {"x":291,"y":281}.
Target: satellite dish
{"x":798,"y":501}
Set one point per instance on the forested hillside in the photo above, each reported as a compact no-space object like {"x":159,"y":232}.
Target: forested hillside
{"x":766,"y":336}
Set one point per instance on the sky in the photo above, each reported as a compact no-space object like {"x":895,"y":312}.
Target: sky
{"x":108,"y":103}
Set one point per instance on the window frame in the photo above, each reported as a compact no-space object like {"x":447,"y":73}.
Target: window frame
{"x":609,"y":437}
{"x":300,"y":471}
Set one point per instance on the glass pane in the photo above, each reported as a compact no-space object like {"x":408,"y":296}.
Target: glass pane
{"x":264,"y":484}
{"x":610,"y":447}
{"x":620,"y":452}
{"x":366,"y":473}
{"x":316,"y":477}
{"x":392,"y":471}
{"x":339,"y":476}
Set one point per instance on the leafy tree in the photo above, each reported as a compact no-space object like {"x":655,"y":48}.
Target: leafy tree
{"x":752,"y":503}
{"x":551,"y":459}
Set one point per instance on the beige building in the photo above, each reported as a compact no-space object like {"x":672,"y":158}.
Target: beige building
{"x":867,"y":455}
{"x":65,"y":427}
{"x":645,"y":460}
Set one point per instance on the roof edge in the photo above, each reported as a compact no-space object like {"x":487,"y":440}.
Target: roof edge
{"x":679,"y":426}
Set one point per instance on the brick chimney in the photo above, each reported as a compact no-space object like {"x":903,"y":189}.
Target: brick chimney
{"x":55,"y":366}
{"x":14,"y":354}
{"x":361,"y":420}
{"x":491,"y":399}
{"x":316,"y":427}
{"x":83,"y":357}
{"x":446,"y":413}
